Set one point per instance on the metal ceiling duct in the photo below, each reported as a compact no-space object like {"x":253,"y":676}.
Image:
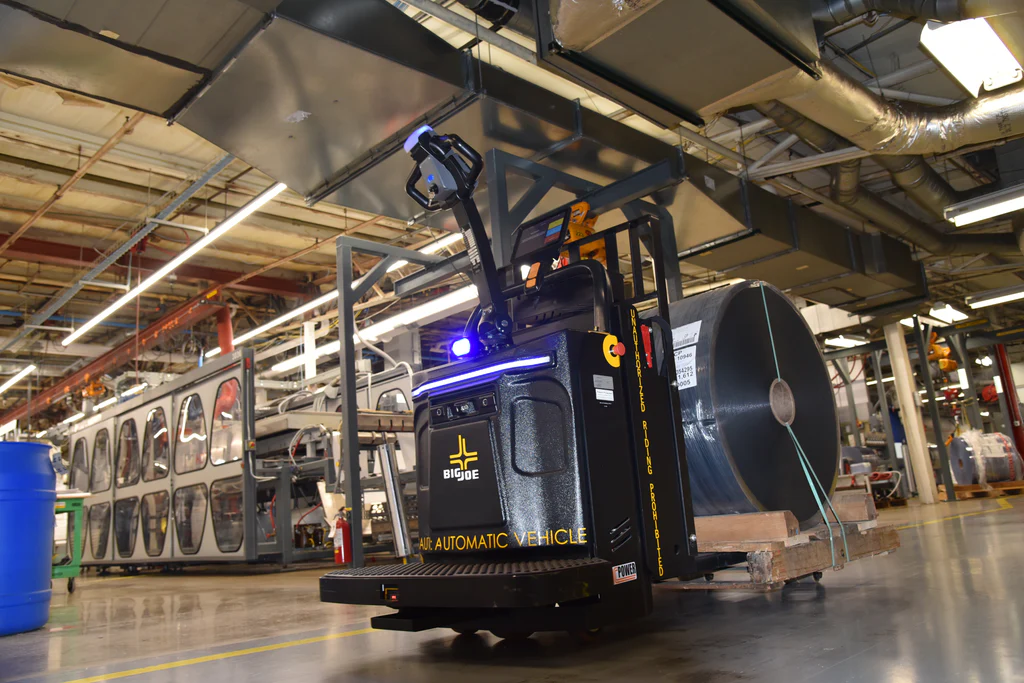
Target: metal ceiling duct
{"x":151,"y":56}
{"x":849,"y":109}
{"x":348,"y":150}
{"x":912,"y":174}
{"x":898,"y":223}
{"x":739,"y":452}
{"x":669,"y":60}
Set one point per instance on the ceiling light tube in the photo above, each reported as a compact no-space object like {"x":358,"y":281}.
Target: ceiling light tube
{"x":74,"y":418}
{"x":17,"y":378}
{"x":131,"y":391}
{"x":947,"y":314}
{"x":844,"y":342}
{"x":973,"y":53}
{"x":431,"y":308}
{"x":231,"y":221}
{"x":986,"y":206}
{"x":104,"y":403}
{"x":330,"y":296}
{"x":995,"y":297}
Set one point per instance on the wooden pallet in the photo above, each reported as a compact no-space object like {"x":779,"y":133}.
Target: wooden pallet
{"x":994,"y":490}
{"x":777,"y":552}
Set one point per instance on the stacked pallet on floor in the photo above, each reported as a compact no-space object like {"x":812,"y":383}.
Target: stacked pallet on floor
{"x":993,"y":490}
{"x":777,"y":552}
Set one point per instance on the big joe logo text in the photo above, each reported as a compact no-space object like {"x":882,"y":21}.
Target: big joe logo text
{"x":463,"y":458}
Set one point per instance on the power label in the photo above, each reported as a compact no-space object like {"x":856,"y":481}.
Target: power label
{"x":623,"y":573}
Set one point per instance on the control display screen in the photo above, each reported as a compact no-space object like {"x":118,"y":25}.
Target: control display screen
{"x":546,"y":232}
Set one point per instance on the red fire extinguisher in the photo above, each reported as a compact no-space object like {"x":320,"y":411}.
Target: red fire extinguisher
{"x":342,"y":539}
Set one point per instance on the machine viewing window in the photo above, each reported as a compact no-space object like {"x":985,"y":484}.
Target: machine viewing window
{"x":156,"y":446}
{"x":228,"y":518}
{"x":99,"y":481}
{"x":393,"y":400}
{"x":190,"y":451}
{"x":540,"y":234}
{"x":99,"y":529}
{"x":127,"y":461}
{"x":155,"y":509}
{"x":126,"y":525}
{"x":80,"y":467}
{"x":190,"y":517}
{"x":226,"y":436}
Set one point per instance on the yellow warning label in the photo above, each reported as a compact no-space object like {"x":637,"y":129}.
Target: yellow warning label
{"x":514,"y":539}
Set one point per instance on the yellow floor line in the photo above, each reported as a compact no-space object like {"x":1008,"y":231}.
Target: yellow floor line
{"x":213,"y":658}
{"x":1004,"y":504}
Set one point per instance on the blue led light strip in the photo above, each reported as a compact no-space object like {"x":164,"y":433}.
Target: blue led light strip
{"x":520,"y":364}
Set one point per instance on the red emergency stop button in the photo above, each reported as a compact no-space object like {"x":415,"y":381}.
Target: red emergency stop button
{"x":619,"y":349}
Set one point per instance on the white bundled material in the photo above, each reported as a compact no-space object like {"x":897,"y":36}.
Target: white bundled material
{"x":979,"y":458}
{"x":581,"y":24}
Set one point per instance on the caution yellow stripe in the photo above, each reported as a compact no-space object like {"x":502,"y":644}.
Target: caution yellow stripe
{"x":1004,"y":504}
{"x":217,"y":657}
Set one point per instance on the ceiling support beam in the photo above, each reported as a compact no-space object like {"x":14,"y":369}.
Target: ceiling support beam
{"x":181,"y":318}
{"x":39,"y":251}
{"x":127,"y":128}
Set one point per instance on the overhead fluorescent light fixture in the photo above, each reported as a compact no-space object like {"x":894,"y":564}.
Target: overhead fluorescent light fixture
{"x":431,"y":248}
{"x":29,"y":369}
{"x":972,"y":53}
{"x":990,"y":205}
{"x":131,"y":391}
{"x":104,"y":404}
{"x":231,"y":221}
{"x":844,"y":342}
{"x":947,"y":314}
{"x":74,"y":418}
{"x":872,"y":382}
{"x":429,"y":309}
{"x":925,"y":320}
{"x":995,"y":297}
{"x":329,"y":297}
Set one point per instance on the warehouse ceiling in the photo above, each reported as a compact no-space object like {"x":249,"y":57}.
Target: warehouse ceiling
{"x":59,"y":106}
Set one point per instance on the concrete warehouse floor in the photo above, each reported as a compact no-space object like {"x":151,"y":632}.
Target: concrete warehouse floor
{"x":948,"y":606}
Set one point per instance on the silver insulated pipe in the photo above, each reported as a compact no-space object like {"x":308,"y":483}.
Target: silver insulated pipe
{"x":735,"y":409}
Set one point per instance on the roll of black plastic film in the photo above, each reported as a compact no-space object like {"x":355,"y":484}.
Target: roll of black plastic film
{"x":735,"y":405}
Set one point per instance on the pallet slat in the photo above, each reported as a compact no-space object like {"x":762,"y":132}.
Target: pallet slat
{"x":773,"y":562}
{"x":993,"y":490}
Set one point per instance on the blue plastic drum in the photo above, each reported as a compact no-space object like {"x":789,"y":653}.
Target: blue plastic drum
{"x":26,"y":535}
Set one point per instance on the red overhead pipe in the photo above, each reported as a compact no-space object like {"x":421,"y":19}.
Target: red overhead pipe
{"x":225,"y":333}
{"x":1010,"y":392}
{"x":181,"y":318}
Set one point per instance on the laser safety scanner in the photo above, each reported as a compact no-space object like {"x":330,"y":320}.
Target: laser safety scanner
{"x":552,"y":482}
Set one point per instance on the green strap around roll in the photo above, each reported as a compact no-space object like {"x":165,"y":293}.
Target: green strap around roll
{"x":817,"y":489}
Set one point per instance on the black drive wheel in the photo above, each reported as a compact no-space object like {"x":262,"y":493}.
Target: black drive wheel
{"x":512,"y":635}
{"x":71,"y":585}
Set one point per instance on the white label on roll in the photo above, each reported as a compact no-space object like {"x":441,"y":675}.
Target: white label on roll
{"x":686,"y":335}
{"x":686,"y":367}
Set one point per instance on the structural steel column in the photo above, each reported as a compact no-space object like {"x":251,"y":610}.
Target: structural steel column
{"x":933,"y":410}
{"x":1013,"y":417}
{"x":883,"y":404}
{"x":918,"y":459}
{"x":349,"y":409}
